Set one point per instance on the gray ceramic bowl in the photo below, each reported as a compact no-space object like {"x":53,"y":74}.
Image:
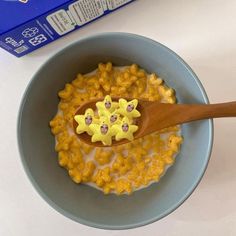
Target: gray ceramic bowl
{"x":82,"y":203}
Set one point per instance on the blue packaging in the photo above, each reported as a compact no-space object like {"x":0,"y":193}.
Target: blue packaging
{"x":26,"y":25}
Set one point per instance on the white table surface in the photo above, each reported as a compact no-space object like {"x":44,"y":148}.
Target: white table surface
{"x":203,"y":32}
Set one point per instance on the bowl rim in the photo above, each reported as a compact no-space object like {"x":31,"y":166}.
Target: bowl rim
{"x":79,"y":219}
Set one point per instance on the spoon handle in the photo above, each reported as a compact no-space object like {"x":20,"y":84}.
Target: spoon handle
{"x":205,"y":111}
{"x":165,"y":115}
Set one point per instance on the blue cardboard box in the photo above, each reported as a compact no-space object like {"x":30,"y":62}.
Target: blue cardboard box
{"x":26,"y":25}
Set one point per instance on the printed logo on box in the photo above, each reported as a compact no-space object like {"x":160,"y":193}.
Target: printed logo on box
{"x":30,"y":32}
{"x":38,"y":40}
{"x":13,"y":42}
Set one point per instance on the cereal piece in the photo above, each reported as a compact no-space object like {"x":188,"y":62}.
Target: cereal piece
{"x":108,"y":187}
{"x":102,"y":131}
{"x":123,"y":185}
{"x":102,"y":177}
{"x":134,"y":69}
{"x":169,"y":158}
{"x":128,"y":109}
{"x":101,"y":67}
{"x":109,"y":67}
{"x":174,"y":142}
{"x":155,"y":81}
{"x":103,"y":156}
{"x":84,"y":122}
{"x":63,"y":146}
{"x":141,"y":73}
{"x":75,"y":175}
{"x":79,"y":82}
{"x":106,"y":106}
{"x":121,"y":165}
{"x":114,"y":118}
{"x":57,"y":124}
{"x":88,"y":171}
{"x":63,"y":158}
{"x":67,"y":92}
{"x":124,"y":130}
{"x":76,"y":156}
{"x":86,"y":148}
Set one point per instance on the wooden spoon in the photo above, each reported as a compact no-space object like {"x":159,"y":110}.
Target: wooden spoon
{"x":156,"y":116}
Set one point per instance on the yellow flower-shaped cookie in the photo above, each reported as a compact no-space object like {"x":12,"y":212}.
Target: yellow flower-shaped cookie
{"x":102,"y":132}
{"x":106,"y":106}
{"x":128,"y":109}
{"x":124,"y":130}
{"x":84,"y":122}
{"x":114,"y":118}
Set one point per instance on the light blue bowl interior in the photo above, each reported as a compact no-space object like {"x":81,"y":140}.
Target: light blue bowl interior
{"x":84,"y":204}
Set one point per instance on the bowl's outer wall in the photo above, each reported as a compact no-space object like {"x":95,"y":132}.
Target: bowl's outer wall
{"x":36,"y":143}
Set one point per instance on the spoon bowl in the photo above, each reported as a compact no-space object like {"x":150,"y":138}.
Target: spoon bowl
{"x":92,"y":104}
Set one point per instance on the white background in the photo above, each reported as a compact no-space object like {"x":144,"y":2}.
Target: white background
{"x":203,"y":32}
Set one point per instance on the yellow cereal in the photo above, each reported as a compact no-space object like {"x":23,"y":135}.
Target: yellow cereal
{"x":63,"y":158}
{"x":75,"y":175}
{"x":122,"y":186}
{"x":109,"y":67}
{"x":62,"y":146}
{"x":102,"y":177}
{"x":76,"y":155}
{"x":86,"y":148}
{"x":70,"y":165}
{"x":57,"y":124}
{"x":103,"y":156}
{"x":134,"y":69}
{"x":155,"y":81}
{"x":126,"y":75}
{"x":63,"y":105}
{"x":101,"y":67}
{"x":88,"y":169}
{"x":79,"y":82}
{"x":66,"y":92}
{"x":119,"y":169}
{"x":141,"y":74}
{"x":174,"y":142}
